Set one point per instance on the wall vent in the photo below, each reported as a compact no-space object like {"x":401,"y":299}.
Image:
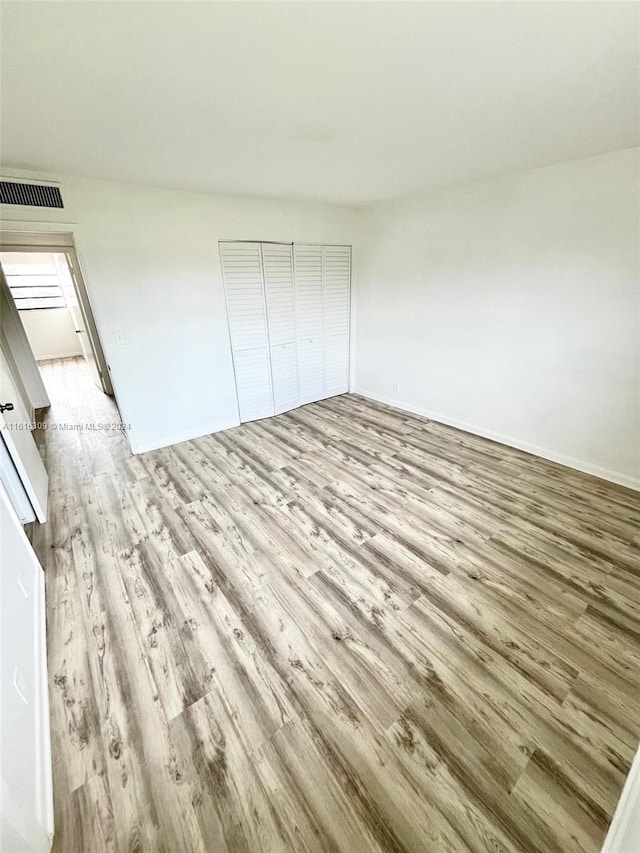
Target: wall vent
{"x":31,"y":195}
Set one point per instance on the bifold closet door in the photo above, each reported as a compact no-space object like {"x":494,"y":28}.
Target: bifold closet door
{"x":277,"y":264}
{"x":309,"y":312}
{"x":288,"y":310}
{"x":246,"y":310}
{"x":337,"y":290}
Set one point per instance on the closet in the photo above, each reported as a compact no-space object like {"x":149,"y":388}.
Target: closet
{"x":288,"y":311}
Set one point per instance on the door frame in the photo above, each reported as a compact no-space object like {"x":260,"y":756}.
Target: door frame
{"x":63,"y":243}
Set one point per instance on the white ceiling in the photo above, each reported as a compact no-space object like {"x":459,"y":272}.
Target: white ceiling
{"x":342,"y":102}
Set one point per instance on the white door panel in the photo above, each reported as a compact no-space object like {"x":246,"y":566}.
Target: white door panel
{"x":336,"y":365}
{"x":337,"y":297}
{"x":13,"y":486}
{"x":310,"y":370}
{"x":337,"y":279}
{"x":25,"y":758}
{"x":279,"y":288}
{"x":242,"y":270}
{"x":308,"y":273}
{"x":65,"y":277}
{"x":288,"y":310}
{"x":309,"y":320}
{"x":284,"y":370}
{"x":253,"y":382}
{"x":246,"y":311}
{"x":277,"y":261}
{"x":19,"y":442}
{"x":15,"y":339}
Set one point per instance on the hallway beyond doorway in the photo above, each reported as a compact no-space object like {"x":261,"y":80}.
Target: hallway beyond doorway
{"x":78,"y":407}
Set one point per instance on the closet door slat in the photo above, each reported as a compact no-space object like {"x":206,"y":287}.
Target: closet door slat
{"x":308,"y":266}
{"x":337,"y":286}
{"x":279,"y":287}
{"x":246,"y":311}
{"x":337,"y":298}
{"x":288,"y":308}
{"x":310,"y":370}
{"x":336,"y":365}
{"x":242,"y":271}
{"x":310,"y":325}
{"x":284,"y":370}
{"x":277,"y":261}
{"x":253,"y":383}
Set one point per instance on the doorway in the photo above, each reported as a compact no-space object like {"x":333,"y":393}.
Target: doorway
{"x":49,"y":292}
{"x":53,"y":370}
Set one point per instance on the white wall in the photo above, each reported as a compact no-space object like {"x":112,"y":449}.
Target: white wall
{"x":50,"y":332}
{"x":511,"y":307}
{"x":152,"y":268}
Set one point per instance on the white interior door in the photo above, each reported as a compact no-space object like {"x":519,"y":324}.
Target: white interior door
{"x":336,"y":365}
{"x":77,"y":317}
{"x":26,"y":809}
{"x":309,"y":313}
{"x":337,"y":298}
{"x":15,"y":339}
{"x":19,"y":442}
{"x":246,"y":311}
{"x":284,"y":372}
{"x":13,"y":486}
{"x":277,"y":263}
{"x":91,"y":344}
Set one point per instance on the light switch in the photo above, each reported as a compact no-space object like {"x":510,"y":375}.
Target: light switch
{"x":118,"y":335}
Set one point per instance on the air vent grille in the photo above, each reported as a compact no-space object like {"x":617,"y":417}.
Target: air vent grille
{"x":32,"y":195}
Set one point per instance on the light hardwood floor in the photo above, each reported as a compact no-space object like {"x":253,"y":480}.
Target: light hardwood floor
{"x":345,"y":628}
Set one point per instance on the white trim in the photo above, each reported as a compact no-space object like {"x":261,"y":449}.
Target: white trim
{"x":145,"y":447}
{"x":6,"y":176}
{"x":543,"y":452}
{"x":618,"y":838}
{"x":40,"y":229}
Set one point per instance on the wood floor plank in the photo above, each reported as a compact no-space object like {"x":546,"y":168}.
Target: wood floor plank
{"x":424,"y":738}
{"x":89,"y":822}
{"x":504,"y":632}
{"x":346,"y":628}
{"x":307,"y":786}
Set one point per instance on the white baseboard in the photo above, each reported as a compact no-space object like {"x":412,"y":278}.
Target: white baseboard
{"x":623,"y":835}
{"x":145,"y":447}
{"x":543,"y":452}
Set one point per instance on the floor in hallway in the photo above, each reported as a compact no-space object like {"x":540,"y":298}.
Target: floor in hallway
{"x":345,"y":628}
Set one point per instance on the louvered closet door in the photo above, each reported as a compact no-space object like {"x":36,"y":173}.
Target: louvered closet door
{"x":309,"y":313}
{"x":277,"y":262}
{"x":337,"y":288}
{"x":244,"y":290}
